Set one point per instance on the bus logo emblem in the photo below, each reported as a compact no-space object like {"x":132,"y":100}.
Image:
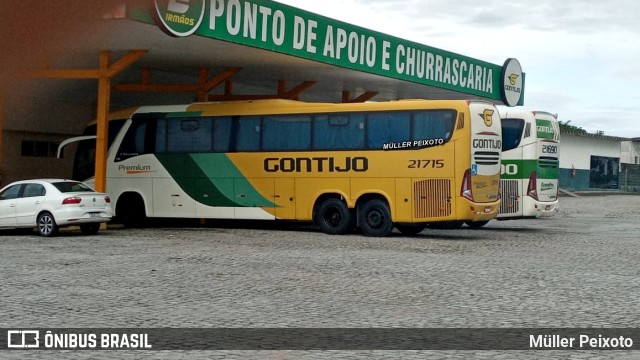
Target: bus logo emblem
{"x":488,"y":117}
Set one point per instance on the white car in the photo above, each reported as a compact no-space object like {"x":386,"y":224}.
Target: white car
{"x":49,"y":204}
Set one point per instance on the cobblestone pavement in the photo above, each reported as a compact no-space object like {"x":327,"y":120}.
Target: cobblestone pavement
{"x":576,"y":269}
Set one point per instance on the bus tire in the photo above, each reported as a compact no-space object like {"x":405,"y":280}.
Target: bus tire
{"x":90,"y":229}
{"x":334,"y":217}
{"x":130,"y":210}
{"x":375,"y":218}
{"x":410,"y":229}
{"x":476,"y":224}
{"x":446,"y":225}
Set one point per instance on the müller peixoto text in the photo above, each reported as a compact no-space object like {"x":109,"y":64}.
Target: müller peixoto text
{"x":582,"y":341}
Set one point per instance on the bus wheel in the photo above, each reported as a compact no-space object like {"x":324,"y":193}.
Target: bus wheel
{"x":375,"y":218}
{"x":410,"y":229}
{"x":130,"y":210}
{"x":90,"y":229}
{"x":446,"y":225}
{"x":334,"y":217}
{"x":476,"y":224}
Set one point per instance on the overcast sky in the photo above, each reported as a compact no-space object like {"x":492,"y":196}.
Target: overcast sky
{"x":581,"y":57}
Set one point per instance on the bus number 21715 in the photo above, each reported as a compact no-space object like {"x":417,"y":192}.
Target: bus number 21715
{"x":426,"y":164}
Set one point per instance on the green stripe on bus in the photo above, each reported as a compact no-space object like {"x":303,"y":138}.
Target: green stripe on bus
{"x":220,"y":169}
{"x":522,"y":169}
{"x":212,"y":180}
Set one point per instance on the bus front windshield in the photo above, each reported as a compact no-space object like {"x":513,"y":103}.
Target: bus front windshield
{"x":84,"y":162}
{"x":511,"y":133}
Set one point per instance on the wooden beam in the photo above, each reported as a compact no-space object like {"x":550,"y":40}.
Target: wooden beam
{"x":203,"y":87}
{"x":1,"y":132}
{"x":366,"y":96}
{"x":104,"y":93}
{"x":156,"y":87}
{"x":203,"y":76}
{"x":124,"y":62}
{"x":296,"y":91}
{"x":220,"y":78}
{"x":104,"y":74}
{"x":281,"y":93}
{"x":110,"y":71}
{"x":64,"y":74}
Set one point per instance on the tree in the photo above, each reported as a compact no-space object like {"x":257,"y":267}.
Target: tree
{"x":571,"y":129}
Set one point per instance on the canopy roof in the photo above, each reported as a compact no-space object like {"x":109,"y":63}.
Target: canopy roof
{"x":264,"y":47}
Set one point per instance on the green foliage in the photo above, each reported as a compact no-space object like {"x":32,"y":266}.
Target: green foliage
{"x":572,"y":129}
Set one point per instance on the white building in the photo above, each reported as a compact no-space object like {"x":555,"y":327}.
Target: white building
{"x":594,"y":162}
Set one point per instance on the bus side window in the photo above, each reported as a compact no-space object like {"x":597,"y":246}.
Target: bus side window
{"x":434,"y":124}
{"x":290,"y":132}
{"x":248,"y":133}
{"x":189,"y":135}
{"x":338,"y":131}
{"x":222,"y":134}
{"x":387,"y":127}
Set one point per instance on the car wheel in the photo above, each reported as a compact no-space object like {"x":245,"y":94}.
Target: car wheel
{"x":90,"y":229}
{"x":375,"y":218}
{"x":334,"y":217}
{"x":47,"y":226}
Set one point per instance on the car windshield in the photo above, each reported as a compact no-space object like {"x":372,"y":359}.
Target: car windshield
{"x":71,"y":186}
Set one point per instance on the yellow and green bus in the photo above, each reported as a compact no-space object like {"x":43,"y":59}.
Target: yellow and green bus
{"x":372,"y":166}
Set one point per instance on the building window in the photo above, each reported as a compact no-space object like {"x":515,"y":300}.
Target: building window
{"x":39,"y":148}
{"x":604,"y":172}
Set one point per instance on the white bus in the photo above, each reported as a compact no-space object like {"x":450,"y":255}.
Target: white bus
{"x":530,"y":164}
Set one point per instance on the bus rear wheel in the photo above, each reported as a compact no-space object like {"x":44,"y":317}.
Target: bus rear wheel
{"x":446,"y":225}
{"x":476,"y":224}
{"x":375,"y":218}
{"x":410,"y":229}
{"x":90,"y":229}
{"x":334,"y":217}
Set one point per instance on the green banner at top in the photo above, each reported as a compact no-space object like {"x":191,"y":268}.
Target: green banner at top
{"x":277,"y":27}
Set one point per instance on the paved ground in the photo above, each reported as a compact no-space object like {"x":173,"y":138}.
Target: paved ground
{"x":577,"y":269}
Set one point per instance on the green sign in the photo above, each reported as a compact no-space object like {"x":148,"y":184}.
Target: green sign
{"x":180,"y":17}
{"x":545,"y":129}
{"x":276,"y":27}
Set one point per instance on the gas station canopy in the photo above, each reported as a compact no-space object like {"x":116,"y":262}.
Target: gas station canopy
{"x":157,"y":52}
{"x":263,"y":48}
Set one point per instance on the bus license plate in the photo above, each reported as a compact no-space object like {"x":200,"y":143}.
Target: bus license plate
{"x":487,"y":210}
